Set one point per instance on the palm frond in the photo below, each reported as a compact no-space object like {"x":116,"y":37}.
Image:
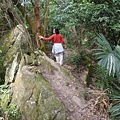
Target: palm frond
{"x":115,"y":111}
{"x":108,"y":58}
{"x":117,"y":51}
{"x":100,"y":53}
{"x":103,"y":43}
{"x":104,"y":60}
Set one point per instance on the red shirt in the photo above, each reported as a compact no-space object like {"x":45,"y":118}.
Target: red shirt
{"x":56,"y":38}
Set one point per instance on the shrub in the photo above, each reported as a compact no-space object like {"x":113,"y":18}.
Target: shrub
{"x":78,"y":59}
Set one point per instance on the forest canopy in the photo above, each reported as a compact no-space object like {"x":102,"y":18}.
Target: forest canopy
{"x":90,"y":15}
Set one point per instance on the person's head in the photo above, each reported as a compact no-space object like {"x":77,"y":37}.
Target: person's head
{"x":56,"y":30}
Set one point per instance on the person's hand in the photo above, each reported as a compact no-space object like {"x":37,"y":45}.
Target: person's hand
{"x":64,"y":46}
{"x":41,"y":37}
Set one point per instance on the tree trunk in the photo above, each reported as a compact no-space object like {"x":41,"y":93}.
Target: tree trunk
{"x":37,"y":25}
{"x":23,"y":11}
{"x":73,"y":31}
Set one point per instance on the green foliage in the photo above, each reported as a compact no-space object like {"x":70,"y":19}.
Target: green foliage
{"x":3,"y":91}
{"x":13,"y":113}
{"x":92,"y":16}
{"x":115,"y":110}
{"x":10,"y":110}
{"x":102,"y":80}
{"x":108,"y":58}
{"x":78,"y":59}
{"x":109,"y":85}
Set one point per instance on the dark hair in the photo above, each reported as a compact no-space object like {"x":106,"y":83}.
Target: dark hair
{"x":56,"y":31}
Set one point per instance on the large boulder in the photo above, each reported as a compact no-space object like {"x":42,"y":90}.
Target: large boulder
{"x":29,"y":90}
{"x":34,"y":96}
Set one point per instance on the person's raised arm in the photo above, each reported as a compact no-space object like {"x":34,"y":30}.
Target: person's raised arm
{"x":47,"y":39}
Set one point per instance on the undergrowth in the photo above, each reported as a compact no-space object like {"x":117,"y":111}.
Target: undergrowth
{"x":8,"y":111}
{"x":110,"y":85}
{"x":78,"y":59}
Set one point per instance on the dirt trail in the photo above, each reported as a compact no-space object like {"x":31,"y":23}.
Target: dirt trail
{"x":71,"y":94}
{"x":66,"y":91}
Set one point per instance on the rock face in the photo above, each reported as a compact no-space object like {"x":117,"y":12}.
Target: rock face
{"x":29,"y":90}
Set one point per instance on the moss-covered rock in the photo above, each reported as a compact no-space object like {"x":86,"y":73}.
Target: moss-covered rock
{"x":15,"y":43}
{"x":34,"y":96}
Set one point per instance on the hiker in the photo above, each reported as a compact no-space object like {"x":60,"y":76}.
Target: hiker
{"x":57,"y":48}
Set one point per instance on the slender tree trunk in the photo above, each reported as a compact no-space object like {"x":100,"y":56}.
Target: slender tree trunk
{"x":74,"y":33}
{"x":37,"y":25}
{"x":23,"y":11}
